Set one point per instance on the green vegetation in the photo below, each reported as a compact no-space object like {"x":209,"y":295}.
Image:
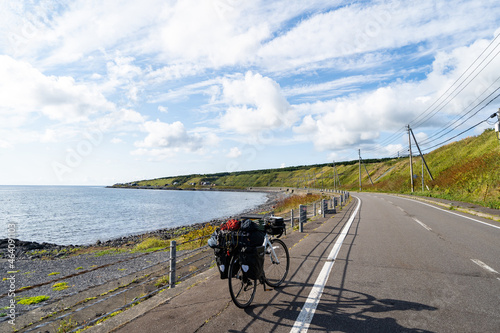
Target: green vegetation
{"x":195,"y":238}
{"x":110,"y":251}
{"x":163,"y":281}
{"x":54,"y":273}
{"x":66,"y":326}
{"x":60,"y":286}
{"x":294,"y":201}
{"x":465,"y":170}
{"x":151,"y":244}
{"x":33,"y":300}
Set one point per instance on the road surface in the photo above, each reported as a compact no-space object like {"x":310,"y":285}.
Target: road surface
{"x":383,"y":264}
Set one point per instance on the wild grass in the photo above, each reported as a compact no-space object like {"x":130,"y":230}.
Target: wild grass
{"x":196,"y":238}
{"x":294,"y":201}
{"x":151,"y":244}
{"x":60,"y":286}
{"x":33,"y":300}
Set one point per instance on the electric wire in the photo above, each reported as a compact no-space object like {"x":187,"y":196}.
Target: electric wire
{"x":435,"y":139}
{"x":433,"y":112}
{"x":429,"y":113}
{"x":466,"y":113}
{"x":448,"y":140}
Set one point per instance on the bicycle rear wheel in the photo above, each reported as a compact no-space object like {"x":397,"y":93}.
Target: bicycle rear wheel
{"x":241,"y":289}
{"x":276,"y":269}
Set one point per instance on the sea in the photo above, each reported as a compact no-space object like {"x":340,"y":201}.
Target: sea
{"x":82,"y":215}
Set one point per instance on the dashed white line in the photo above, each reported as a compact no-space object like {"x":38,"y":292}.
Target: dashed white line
{"x":422,"y":224}
{"x":307,"y":313}
{"x":447,"y":211}
{"x":484,"y":266}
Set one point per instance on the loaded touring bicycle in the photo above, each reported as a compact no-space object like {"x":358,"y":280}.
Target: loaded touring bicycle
{"x":248,"y":251}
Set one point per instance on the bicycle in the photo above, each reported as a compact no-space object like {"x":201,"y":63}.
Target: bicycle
{"x":275,"y":268}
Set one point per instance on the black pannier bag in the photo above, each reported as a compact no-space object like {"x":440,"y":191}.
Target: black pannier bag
{"x":250,"y":235}
{"x":276,"y":226}
{"x":222,"y":260}
{"x":252,"y":261}
{"x":223,"y":243}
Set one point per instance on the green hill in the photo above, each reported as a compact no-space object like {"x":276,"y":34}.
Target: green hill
{"x":467,"y":170}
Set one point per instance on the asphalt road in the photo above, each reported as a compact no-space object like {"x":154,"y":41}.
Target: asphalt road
{"x":402,"y":266}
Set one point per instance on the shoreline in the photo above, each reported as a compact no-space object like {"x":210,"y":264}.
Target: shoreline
{"x":24,"y":249}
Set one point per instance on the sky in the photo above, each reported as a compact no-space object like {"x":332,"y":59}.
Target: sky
{"x":103,"y":92}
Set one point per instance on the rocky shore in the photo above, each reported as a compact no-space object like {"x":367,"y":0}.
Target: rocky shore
{"x":40,"y":267}
{"x":26,"y":250}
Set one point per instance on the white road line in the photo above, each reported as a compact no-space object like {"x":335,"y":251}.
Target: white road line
{"x":447,"y":211}
{"x":422,"y":224}
{"x":484,"y":266}
{"x":306,"y":315}
{"x":401,"y":209}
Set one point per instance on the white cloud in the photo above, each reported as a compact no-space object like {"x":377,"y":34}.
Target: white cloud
{"x":234,"y":152}
{"x":360,"y":118}
{"x":5,"y":144}
{"x":214,"y":33}
{"x":25,"y":90}
{"x":163,"y":109}
{"x":82,"y":27}
{"x":332,"y":88}
{"x":171,"y":136}
{"x":255,"y":103}
{"x":116,"y":140}
{"x":374,"y":27}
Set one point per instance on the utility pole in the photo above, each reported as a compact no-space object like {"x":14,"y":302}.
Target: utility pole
{"x":420,"y":152}
{"x":411,"y":160}
{"x":360,"y":187}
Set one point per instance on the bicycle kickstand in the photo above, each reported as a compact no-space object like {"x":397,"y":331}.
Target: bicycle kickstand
{"x":264,"y":284}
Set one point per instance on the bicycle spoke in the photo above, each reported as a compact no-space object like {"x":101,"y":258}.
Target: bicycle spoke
{"x":276,"y":265}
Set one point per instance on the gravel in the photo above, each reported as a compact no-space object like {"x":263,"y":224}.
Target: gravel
{"x":36,"y":267}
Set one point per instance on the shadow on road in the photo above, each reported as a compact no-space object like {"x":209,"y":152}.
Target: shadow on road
{"x":340,"y":309}
{"x":357,"y":312}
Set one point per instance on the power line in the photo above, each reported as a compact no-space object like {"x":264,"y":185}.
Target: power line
{"x":479,"y":123}
{"x":456,"y":120}
{"x":456,"y":81}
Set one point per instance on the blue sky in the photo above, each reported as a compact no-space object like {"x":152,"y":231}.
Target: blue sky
{"x":100,"y":92}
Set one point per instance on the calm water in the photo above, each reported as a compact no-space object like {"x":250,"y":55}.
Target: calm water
{"x":82,"y":215}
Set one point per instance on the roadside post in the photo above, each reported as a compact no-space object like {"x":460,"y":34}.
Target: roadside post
{"x":324,"y":207}
{"x":302,"y":217}
{"x":173,"y":245}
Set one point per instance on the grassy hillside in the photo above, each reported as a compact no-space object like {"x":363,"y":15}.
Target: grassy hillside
{"x":467,"y":170}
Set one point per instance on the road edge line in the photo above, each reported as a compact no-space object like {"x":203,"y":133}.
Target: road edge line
{"x":307,"y":313}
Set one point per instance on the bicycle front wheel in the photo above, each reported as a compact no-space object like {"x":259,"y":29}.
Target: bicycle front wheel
{"x":241,"y":289}
{"x":276,"y":268}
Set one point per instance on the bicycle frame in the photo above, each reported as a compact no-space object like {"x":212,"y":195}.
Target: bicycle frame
{"x":268,"y":245}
